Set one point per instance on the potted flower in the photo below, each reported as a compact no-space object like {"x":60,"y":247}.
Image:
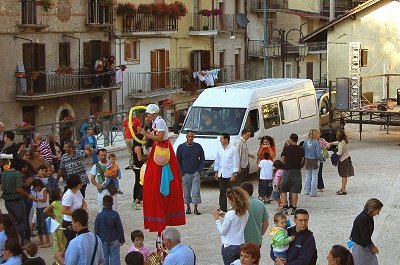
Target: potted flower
{"x":69,"y":120}
{"x":205,"y":12}
{"x":216,"y":12}
{"x":107,"y":3}
{"x":63,"y":69}
{"x":34,"y":75}
{"x":45,"y":4}
{"x":168,"y":103}
{"x":105,"y":115}
{"x":122,"y":67}
{"x":23,"y":128}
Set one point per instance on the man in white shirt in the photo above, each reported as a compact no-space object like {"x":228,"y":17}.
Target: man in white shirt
{"x":226,"y":167}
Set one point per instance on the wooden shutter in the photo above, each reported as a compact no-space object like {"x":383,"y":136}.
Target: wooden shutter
{"x":64,"y":54}
{"x":167,"y":81}
{"x":205,"y":60}
{"x":28,"y":56}
{"x":40,"y":57}
{"x":105,"y":49}
{"x":154,"y":69}
{"x":309,"y":70}
{"x":161,"y":68}
{"x":128,"y":51}
{"x":86,"y":55}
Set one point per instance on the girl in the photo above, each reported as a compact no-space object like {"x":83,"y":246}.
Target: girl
{"x":345,"y":166}
{"x":339,"y":255}
{"x":55,"y":211}
{"x":276,"y":193}
{"x":41,"y":197}
{"x":267,"y":144}
{"x":8,"y":229}
{"x":137,"y":237}
{"x":232,"y":228}
{"x":364,"y":250}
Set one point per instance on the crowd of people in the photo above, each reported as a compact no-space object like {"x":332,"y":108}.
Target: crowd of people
{"x":164,"y":184}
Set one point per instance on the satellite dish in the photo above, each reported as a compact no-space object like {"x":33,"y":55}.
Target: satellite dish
{"x":241,"y":19}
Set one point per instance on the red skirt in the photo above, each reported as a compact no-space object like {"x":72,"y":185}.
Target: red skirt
{"x":160,"y":211}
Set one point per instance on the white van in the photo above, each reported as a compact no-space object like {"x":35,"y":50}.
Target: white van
{"x":274,"y":107}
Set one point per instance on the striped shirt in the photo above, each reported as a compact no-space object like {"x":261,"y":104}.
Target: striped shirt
{"x":45,"y":151}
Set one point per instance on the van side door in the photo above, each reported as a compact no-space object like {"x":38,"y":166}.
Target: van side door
{"x":253,"y":122}
{"x":271,"y":124}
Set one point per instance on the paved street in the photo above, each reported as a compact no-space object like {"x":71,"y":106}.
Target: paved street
{"x":376,"y":163}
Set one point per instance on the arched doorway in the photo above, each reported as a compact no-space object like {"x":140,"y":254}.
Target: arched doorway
{"x":66,"y":130}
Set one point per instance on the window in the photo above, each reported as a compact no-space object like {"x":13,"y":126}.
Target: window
{"x":99,"y":14}
{"x":131,"y":50}
{"x":270,"y":114}
{"x":28,"y":12}
{"x":289,"y":110}
{"x":64,"y":54}
{"x":28,"y":115}
{"x":252,"y":121}
{"x":307,"y":106}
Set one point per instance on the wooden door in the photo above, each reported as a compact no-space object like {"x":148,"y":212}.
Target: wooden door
{"x":310,"y":71}
{"x":159,"y":64}
{"x":237,"y":66}
{"x":95,"y":105}
{"x":221,"y":59}
{"x":28,"y":115}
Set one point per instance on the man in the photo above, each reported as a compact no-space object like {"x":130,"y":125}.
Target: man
{"x":82,"y":248}
{"x":241,"y":146}
{"x":303,"y":249}
{"x":73,"y":162}
{"x":257,"y":223}
{"x":293,"y":157}
{"x":190,"y":157}
{"x":179,"y":254}
{"x":181,"y":118}
{"x":9,"y":148}
{"x":127,"y":132}
{"x":97,"y":171}
{"x":1,"y":135}
{"x":44,"y":147}
{"x":108,"y":227}
{"x":13,"y":195}
{"x":226,"y":166}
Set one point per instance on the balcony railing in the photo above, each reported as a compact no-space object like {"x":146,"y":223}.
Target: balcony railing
{"x":148,"y":23}
{"x":341,"y":6}
{"x":272,"y":5}
{"x":99,"y":15}
{"x":203,"y":23}
{"x":317,"y":47}
{"x":45,"y":84}
{"x":227,"y":22}
{"x":256,"y":48}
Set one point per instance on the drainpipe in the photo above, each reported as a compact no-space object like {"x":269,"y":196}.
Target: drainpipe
{"x":331,"y":9}
{"x":246,"y":47}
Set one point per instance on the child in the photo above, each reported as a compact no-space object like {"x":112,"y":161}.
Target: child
{"x":52,"y":183}
{"x":113,"y":173}
{"x":137,"y":237}
{"x":276,"y":193}
{"x":41,"y":174}
{"x":108,"y":227}
{"x":265,"y":182}
{"x":8,"y":229}
{"x":55,"y":211}
{"x":280,"y":239}
{"x":136,"y":203}
{"x":42,"y":201}
{"x":31,"y":250}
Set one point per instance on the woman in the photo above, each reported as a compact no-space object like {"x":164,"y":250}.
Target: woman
{"x":71,"y":200}
{"x":162,"y":190}
{"x":339,"y":255}
{"x":364,"y":250}
{"x":27,"y":178}
{"x":345,"y":166}
{"x":267,"y":144}
{"x":312,"y":155}
{"x":137,"y":157}
{"x":232,"y":228}
{"x":249,"y":255}
{"x":13,"y":253}
{"x":35,"y":159}
{"x":24,"y":155}
{"x":324,"y":147}
{"x":89,"y":140}
{"x":55,"y":150}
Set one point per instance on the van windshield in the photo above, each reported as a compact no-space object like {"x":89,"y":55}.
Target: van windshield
{"x":213,"y":121}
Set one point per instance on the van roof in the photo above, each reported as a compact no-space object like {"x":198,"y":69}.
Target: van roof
{"x":241,"y":94}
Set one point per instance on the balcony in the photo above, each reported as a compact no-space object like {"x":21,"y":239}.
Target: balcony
{"x":203,"y":25}
{"x":257,"y":6}
{"x":341,"y":6}
{"x":140,"y":24}
{"x":43,"y":85}
{"x":256,"y":48}
{"x":227,"y":22}
{"x":317,"y":47}
{"x":99,"y":16}
{"x":31,"y":16}
{"x":231,"y":74}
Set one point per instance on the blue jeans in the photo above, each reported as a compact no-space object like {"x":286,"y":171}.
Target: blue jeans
{"x":109,"y":180}
{"x":41,"y":221}
{"x":280,"y":254}
{"x":111,"y":253}
{"x":230,"y":254}
{"x":17,"y":210}
{"x":310,"y":182}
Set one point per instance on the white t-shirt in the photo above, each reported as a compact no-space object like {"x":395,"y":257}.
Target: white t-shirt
{"x":266,"y":169}
{"x":232,"y":228}
{"x":73,"y":200}
{"x":160,"y":125}
{"x":39,"y":195}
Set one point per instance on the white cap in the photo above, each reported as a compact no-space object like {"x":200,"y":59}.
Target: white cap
{"x":152,"y":108}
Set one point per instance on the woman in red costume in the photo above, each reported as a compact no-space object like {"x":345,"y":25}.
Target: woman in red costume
{"x":162,"y":190}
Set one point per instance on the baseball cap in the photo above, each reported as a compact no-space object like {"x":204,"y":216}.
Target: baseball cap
{"x":152,"y":108}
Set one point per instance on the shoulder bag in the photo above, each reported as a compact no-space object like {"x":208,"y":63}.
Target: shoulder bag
{"x":161,"y":155}
{"x":111,"y":187}
{"x":95,"y":249}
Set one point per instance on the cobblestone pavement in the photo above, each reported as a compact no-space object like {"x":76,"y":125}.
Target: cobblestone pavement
{"x":376,"y":163}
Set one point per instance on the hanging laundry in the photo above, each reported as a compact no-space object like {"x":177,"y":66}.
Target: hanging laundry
{"x":207,"y":76}
{"x":118,"y":76}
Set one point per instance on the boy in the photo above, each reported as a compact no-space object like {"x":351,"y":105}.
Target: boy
{"x":41,"y":174}
{"x":113,"y":173}
{"x":280,"y":239}
{"x":108,"y":227}
{"x":31,"y":250}
{"x":52,"y":183}
{"x":265,"y":182}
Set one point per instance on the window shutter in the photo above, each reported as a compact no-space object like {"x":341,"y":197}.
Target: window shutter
{"x":127,"y":51}
{"x":192,"y":61}
{"x":64,"y":54}
{"x":135,"y":55}
{"x":27,"y":56}
{"x":86,"y":55}
{"x":40,"y":57}
{"x":167,"y":69}
{"x":68,"y":54}
{"x":154,"y":69}
{"x":205,"y":60}
{"x":106,"y":49}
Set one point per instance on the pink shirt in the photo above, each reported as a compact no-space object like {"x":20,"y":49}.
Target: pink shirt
{"x":145,"y":250}
{"x":278,"y":173}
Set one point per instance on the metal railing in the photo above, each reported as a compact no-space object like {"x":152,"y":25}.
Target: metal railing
{"x":148,"y":23}
{"x":271,"y":4}
{"x":317,"y":46}
{"x":98,"y":13}
{"x":227,"y":22}
{"x":43,"y":83}
{"x":256,"y":48}
{"x":231,"y":73}
{"x":199,"y":22}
